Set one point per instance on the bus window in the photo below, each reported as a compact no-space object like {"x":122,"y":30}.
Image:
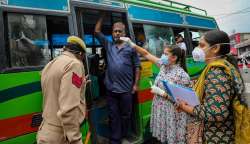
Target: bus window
{"x":180,"y":38}
{"x":90,"y":18}
{"x":157,"y":38}
{"x":139,"y":34}
{"x":58,"y":31}
{"x":116,"y":17}
{"x":195,"y":36}
{"x":28,"y":43}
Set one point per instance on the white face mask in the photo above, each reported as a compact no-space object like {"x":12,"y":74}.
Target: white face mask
{"x":199,"y":54}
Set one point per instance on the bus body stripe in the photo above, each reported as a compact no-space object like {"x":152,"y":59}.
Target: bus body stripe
{"x":144,"y":96}
{"x":16,"y":126}
{"x":18,"y":91}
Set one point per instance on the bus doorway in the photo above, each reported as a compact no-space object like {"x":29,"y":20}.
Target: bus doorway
{"x":181,"y":38}
{"x":97,"y":63}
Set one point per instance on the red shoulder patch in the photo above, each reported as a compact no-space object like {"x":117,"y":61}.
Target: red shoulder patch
{"x":76,"y":80}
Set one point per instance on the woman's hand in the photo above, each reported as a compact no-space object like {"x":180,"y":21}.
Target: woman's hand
{"x":184,"y":106}
{"x":157,"y":90}
{"x":140,"y":50}
{"x":128,"y":41}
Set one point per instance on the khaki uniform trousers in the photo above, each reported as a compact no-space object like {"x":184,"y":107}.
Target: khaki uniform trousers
{"x":50,"y":134}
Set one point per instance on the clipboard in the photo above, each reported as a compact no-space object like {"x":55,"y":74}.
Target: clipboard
{"x":183,"y":93}
{"x":170,"y":93}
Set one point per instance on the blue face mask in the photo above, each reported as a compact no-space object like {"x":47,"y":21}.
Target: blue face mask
{"x":164,"y":60}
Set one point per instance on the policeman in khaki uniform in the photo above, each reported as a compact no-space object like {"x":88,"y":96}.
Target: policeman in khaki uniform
{"x":63,"y":86}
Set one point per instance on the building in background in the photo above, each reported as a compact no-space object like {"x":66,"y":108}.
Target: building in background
{"x":240,"y":43}
{"x":240,"y":47}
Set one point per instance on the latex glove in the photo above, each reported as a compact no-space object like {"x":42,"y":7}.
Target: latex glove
{"x":128,"y":41}
{"x":157,"y":90}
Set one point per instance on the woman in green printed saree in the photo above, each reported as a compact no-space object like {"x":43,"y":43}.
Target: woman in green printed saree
{"x":219,"y":88}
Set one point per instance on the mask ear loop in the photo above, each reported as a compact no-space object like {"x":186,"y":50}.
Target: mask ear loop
{"x":225,"y":43}
{"x":219,"y":55}
{"x":214,"y":57}
{"x":218,"y":44}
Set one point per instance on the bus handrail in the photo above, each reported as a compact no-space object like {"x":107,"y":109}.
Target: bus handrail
{"x":186,"y":7}
{"x":172,"y":5}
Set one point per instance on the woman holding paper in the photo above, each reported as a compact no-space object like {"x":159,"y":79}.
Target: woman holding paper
{"x":219,"y":84}
{"x":167,"y":125}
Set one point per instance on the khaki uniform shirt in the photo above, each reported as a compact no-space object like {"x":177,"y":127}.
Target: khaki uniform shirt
{"x":63,"y":83}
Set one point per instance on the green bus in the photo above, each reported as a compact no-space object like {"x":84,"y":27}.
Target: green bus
{"x":33,"y":32}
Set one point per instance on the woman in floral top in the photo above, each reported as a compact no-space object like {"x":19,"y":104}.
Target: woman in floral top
{"x":167,"y":125}
{"x":218,"y":85}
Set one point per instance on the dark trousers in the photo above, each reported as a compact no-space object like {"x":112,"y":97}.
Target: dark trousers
{"x":120,"y":109}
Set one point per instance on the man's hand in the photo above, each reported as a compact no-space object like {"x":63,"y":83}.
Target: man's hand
{"x":135,"y":89}
{"x":99,"y":23}
{"x":128,"y":41}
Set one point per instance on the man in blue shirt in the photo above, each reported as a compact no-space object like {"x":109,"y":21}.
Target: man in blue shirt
{"x":121,"y":79}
